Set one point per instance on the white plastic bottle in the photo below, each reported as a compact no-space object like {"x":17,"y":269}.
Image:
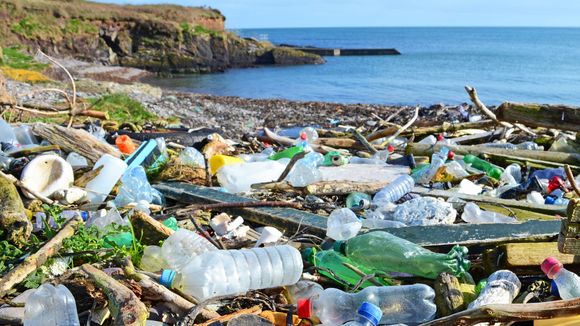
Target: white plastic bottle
{"x":99,"y":188}
{"x":367,"y":315}
{"x":405,"y":304}
{"x":342,"y":224}
{"x":51,"y":306}
{"x":568,"y":283}
{"x":237,"y":178}
{"x":231,"y":272}
{"x":502,"y":287}
{"x":182,"y":246}
{"x":394,"y":190}
{"x":473,"y":214}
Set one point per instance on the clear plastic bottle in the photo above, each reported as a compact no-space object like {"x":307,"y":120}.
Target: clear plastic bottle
{"x":394,"y":190}
{"x":568,"y":283}
{"x":303,"y":290}
{"x":7,"y":135}
{"x":182,"y":246}
{"x":473,"y":214}
{"x":342,"y":224}
{"x":152,"y":259}
{"x":230,"y":272}
{"x":51,"y":306}
{"x":512,"y":174}
{"x":383,"y":251}
{"x":456,"y":170}
{"x":423,"y":211}
{"x":135,"y":187}
{"x":239,"y":177}
{"x":437,"y":160}
{"x":406,"y":304}
{"x":429,"y":140}
{"x":303,"y":174}
{"x":192,"y":157}
{"x":367,"y":315}
{"x":521,"y":146}
{"x":501,"y":288}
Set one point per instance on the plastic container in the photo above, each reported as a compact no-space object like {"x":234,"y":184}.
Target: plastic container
{"x":469,"y":188}
{"x":136,"y":188}
{"x":456,"y":170}
{"x":47,"y":174}
{"x":473,"y":214}
{"x":216,"y":162}
{"x":7,"y":134}
{"x":231,"y":272}
{"x":182,"y":246}
{"x":383,"y":251}
{"x":24,"y":135}
{"x":303,"y":174}
{"x":535,"y":197}
{"x":100,"y":186}
{"x":237,"y":178}
{"x":358,"y":201}
{"x":567,"y":282}
{"x":394,"y":190}
{"x":367,"y":315}
{"x":51,"y":306}
{"x":303,"y":290}
{"x":512,"y":174}
{"x":342,"y":224}
{"x":483,"y":165}
{"x":406,"y":304}
{"x":531,"y":146}
{"x":423,"y":211}
{"x":502,"y":287}
{"x":125,"y":144}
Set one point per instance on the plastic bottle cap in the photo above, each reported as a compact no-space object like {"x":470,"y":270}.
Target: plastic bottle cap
{"x":551,"y":266}
{"x":451,"y":155}
{"x":304,"y":308}
{"x":391,"y":148}
{"x":370,"y":312}
{"x":125,"y":144}
{"x":550,"y":200}
{"x":440,"y":137}
{"x":303,"y":136}
{"x":167,"y":276}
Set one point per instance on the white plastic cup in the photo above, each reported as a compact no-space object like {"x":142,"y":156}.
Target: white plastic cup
{"x":269,"y":235}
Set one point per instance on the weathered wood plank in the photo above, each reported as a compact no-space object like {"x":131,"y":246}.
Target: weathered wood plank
{"x":541,"y":115}
{"x":518,"y":255}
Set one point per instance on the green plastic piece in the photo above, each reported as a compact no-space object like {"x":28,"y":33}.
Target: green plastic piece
{"x":480,"y":285}
{"x":171,"y":223}
{"x":491,"y":170}
{"x":334,"y":158}
{"x":289,"y":152}
{"x":383,"y":251}
{"x":334,"y":261}
{"x":124,"y":239}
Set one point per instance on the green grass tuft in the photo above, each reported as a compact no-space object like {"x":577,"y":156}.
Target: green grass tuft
{"x":122,"y":108}
{"x":14,"y":58}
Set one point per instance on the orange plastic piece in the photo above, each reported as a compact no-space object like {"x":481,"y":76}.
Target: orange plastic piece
{"x":125,"y":144}
{"x":279,"y":318}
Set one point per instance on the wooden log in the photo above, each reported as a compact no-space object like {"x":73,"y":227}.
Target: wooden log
{"x":339,"y":143}
{"x":34,"y":150}
{"x":10,"y":178}
{"x":448,"y":127}
{"x":74,"y":140}
{"x":506,"y":160}
{"x":344,"y":187}
{"x":13,"y":220}
{"x":34,"y":261}
{"x":521,"y":214}
{"x":528,"y":256}
{"x":558,"y":157}
{"x":569,"y":238}
{"x":510,"y":313}
{"x":149,"y":230}
{"x":125,"y":306}
{"x":480,"y":137}
{"x":563,"y":117}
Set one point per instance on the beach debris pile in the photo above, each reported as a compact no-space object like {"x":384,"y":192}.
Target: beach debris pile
{"x":471,"y":221}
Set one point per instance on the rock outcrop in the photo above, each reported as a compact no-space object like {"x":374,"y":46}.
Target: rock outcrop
{"x":160,"y":38}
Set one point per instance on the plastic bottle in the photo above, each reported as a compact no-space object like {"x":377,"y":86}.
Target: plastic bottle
{"x":394,"y":190}
{"x":535,"y":197}
{"x":182,"y":246}
{"x":125,"y":144}
{"x":6,"y":133}
{"x":469,"y":188}
{"x":51,"y":306}
{"x":406,"y":304}
{"x":24,"y":135}
{"x":521,"y":146}
{"x":429,"y":140}
{"x":423,"y":211}
{"x":237,"y":178}
{"x":456,"y":170}
{"x":216,"y":162}
{"x":311,"y":134}
{"x":100,"y":186}
{"x":553,"y":200}
{"x":512,"y":174}
{"x":135,"y":188}
{"x":152,"y":259}
{"x":556,"y":183}
{"x":358,"y":201}
{"x":383,"y":251}
{"x":342,"y":224}
{"x":567,"y":282}
{"x":437,"y":160}
{"x":483,"y":165}
{"x":367,"y":315}
{"x":304,"y":172}
{"x":563,"y":145}
{"x":229,"y":272}
{"x":473,"y":214}
{"x":258,"y":157}
{"x":303,"y":290}
{"x":501,"y":288}
{"x":191,"y":157}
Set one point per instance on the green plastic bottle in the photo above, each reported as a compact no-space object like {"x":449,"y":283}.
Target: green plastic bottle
{"x":358,"y":201}
{"x":287,"y":153}
{"x":330,"y":260}
{"x":483,"y":165}
{"x":383,"y":251}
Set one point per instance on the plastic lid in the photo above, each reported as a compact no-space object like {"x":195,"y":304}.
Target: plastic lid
{"x":167,"y":276}
{"x":303,"y":136}
{"x":440,"y":137}
{"x":550,"y":200}
{"x":339,"y":246}
{"x":371,"y":312}
{"x":304,"y":308}
{"x":391,"y":148}
{"x":551,"y":266}
{"x":451,"y":155}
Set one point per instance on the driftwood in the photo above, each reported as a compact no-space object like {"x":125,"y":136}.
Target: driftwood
{"x":539,"y":164}
{"x":124,"y":305}
{"x":511,"y":313}
{"x":569,"y":237}
{"x":13,"y":220}
{"x":480,"y":137}
{"x":149,"y":230}
{"x":253,"y":310}
{"x":344,"y":187}
{"x":34,"y":261}
{"x":50,"y":111}
{"x":74,"y":140}
{"x":561,"y":117}
{"x":524,"y":258}
{"x":558,"y":157}
{"x":272,"y":136}
{"x":424,"y":131}
{"x":448,"y":295}
{"x":245,"y":204}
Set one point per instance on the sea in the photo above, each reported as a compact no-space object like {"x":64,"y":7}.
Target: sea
{"x":504,"y":64}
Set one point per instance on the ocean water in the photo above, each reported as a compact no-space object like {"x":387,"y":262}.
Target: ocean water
{"x":516,"y":64}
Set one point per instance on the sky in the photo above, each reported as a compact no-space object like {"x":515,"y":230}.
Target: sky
{"x":363,"y":13}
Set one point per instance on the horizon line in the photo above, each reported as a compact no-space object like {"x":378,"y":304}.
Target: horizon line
{"x":416,"y":26}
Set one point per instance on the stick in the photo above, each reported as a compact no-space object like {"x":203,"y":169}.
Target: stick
{"x":124,"y":305}
{"x":245,"y":204}
{"x":22,"y":186}
{"x":364,"y":141}
{"x":70,"y":77}
{"x":148,"y":229}
{"x":407,"y":125}
{"x":290,"y":165}
{"x":478,"y":104}
{"x":286,"y":141}
{"x":571,"y":179}
{"x":34,"y":261}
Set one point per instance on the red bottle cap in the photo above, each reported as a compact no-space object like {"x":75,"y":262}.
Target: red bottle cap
{"x":303,"y":136}
{"x":556,"y":183}
{"x":440,"y":137}
{"x":551,"y":266}
{"x":451,"y":155}
{"x":304,"y":308}
{"x":391,"y":148}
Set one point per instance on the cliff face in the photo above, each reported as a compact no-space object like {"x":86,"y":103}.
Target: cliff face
{"x":160,"y":38}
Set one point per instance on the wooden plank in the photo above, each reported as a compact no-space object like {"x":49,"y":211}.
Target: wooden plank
{"x":286,"y":219}
{"x":518,"y":255}
{"x":541,"y":115}
{"x":519,"y":213}
{"x":552,"y":210}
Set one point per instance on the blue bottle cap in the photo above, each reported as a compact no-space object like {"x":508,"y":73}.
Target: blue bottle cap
{"x":85,"y":215}
{"x":550,"y":200}
{"x":371,"y":312}
{"x":167,"y":276}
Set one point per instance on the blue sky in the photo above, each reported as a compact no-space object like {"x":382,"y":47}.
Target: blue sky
{"x":347,"y":13}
